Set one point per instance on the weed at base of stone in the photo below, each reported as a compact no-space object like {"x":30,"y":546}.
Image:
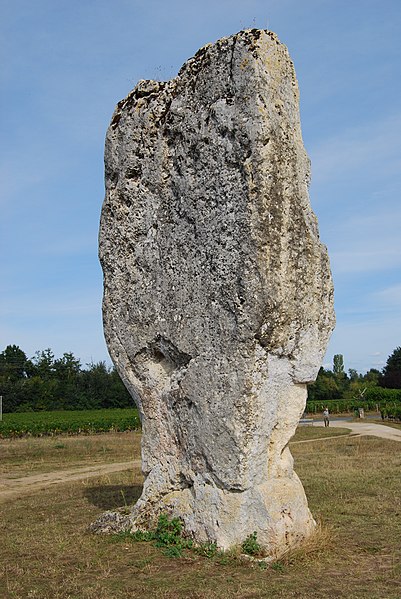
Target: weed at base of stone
{"x":168,"y":536}
{"x":251,"y":546}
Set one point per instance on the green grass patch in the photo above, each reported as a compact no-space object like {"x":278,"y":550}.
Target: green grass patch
{"x":38,"y":424}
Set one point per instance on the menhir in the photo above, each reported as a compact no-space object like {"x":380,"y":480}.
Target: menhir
{"x":218,"y":298}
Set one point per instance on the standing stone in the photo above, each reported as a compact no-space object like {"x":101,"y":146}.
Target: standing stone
{"x":218,"y":299}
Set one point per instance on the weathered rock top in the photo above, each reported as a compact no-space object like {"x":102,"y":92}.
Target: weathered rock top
{"x":232,"y":111}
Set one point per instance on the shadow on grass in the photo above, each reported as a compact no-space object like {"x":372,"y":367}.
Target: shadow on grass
{"x":113,"y":496}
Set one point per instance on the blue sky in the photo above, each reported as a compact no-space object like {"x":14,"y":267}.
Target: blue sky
{"x":65,"y":64}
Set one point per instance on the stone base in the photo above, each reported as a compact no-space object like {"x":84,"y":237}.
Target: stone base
{"x":277,"y":511}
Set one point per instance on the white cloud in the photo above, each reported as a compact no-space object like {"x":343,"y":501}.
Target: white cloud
{"x":50,"y":303}
{"x":375,"y":145}
{"x":367,"y":242}
{"x":389,"y":296}
{"x":364,"y":261}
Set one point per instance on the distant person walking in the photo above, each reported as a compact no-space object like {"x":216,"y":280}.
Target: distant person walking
{"x":326,"y":417}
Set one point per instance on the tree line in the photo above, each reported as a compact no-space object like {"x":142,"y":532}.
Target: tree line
{"x":48,"y":383}
{"x":337,"y":384}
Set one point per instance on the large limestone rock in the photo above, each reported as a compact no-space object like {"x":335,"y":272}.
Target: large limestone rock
{"x":218,"y":299}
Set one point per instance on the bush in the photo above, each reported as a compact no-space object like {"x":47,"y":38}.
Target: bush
{"x":384,"y":398}
{"x":391,"y":411}
{"x":380,"y":394}
{"x":337,"y":406}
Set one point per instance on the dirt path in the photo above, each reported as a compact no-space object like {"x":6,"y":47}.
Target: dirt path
{"x":15,"y":487}
{"x":366,"y":428}
{"x":322,"y":438}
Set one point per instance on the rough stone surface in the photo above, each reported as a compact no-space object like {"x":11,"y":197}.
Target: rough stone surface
{"x":218,"y":299}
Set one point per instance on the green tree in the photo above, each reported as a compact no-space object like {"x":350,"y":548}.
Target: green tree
{"x":46,"y":383}
{"x":339,"y":374}
{"x":43,"y":362}
{"x":14,"y":370}
{"x":325,"y":387}
{"x":103,"y":387}
{"x":94,"y":384}
{"x":372,"y":376}
{"x":392,"y":371}
{"x":13,"y":363}
{"x":338,"y":365}
{"x":66,"y":372}
{"x":353,"y":374}
{"x":119,"y":396}
{"x":67,"y":368}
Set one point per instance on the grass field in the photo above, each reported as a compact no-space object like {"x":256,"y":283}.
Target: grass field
{"x":353,"y":486}
{"x":31,"y":455}
{"x":37,"y":424}
{"x":305,"y":433}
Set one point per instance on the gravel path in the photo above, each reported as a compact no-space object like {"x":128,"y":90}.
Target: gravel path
{"x":366,"y":428}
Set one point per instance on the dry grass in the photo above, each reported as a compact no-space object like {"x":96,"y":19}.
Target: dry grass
{"x":32,"y":455}
{"x":320,"y":543}
{"x":353,"y":485}
{"x":307,"y":433}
